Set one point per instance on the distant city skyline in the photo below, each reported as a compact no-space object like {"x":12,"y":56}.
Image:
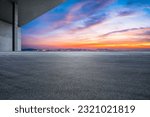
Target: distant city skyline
{"x":91,"y":24}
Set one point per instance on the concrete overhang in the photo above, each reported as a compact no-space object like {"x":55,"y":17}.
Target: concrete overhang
{"x":27,"y":9}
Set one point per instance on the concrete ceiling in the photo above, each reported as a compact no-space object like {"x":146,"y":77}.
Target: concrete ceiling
{"x":28,"y":9}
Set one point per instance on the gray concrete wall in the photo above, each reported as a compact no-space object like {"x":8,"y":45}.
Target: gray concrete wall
{"x":19,"y":40}
{"x":6,"y":37}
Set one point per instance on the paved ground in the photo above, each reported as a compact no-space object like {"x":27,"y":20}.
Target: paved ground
{"x":75,"y":75}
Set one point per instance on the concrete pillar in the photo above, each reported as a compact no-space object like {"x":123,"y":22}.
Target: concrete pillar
{"x":15,"y":26}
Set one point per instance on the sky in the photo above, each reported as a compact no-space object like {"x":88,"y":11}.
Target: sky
{"x":91,"y":24}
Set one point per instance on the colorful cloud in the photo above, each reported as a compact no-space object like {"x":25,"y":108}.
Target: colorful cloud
{"x":121,"y":24}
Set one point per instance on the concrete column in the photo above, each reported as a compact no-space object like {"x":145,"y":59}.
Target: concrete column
{"x":14,"y":26}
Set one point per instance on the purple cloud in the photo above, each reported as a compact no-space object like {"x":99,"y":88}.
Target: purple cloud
{"x":126,"y":30}
{"x":95,"y":20}
{"x":147,"y":33}
{"x":126,"y":13}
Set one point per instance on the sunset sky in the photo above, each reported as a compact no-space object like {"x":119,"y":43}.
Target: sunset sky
{"x":109,"y":24}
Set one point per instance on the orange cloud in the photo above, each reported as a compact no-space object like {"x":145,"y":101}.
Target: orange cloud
{"x":124,"y":39}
